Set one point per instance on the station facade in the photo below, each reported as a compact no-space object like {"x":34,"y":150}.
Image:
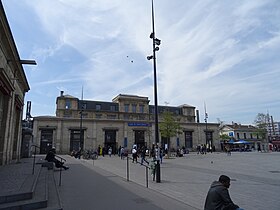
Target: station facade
{"x":126,"y":121}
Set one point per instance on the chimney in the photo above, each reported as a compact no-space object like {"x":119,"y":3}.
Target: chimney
{"x":197,"y":116}
{"x":61,"y":93}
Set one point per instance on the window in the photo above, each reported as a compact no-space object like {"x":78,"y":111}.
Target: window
{"x":113,"y":108}
{"x":238,"y":136}
{"x":141,"y":108}
{"x":67,"y":104}
{"x":126,"y":107}
{"x":188,"y":139}
{"x":251,"y":135}
{"x":134,"y":108}
{"x":245,"y":136}
{"x":98,"y":107}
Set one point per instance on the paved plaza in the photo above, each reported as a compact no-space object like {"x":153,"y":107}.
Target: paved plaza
{"x":102,"y":184}
{"x":255,"y":177}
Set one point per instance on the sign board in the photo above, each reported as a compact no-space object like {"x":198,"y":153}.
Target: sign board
{"x":138,"y":124}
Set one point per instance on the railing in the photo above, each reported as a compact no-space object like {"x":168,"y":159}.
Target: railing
{"x":146,"y":168}
{"x":62,"y":160}
{"x":34,"y":157}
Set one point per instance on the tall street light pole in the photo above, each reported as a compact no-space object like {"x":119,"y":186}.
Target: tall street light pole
{"x":81,"y":122}
{"x":206,"y":130}
{"x":156,"y":43}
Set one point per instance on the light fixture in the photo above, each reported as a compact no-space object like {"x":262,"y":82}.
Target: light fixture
{"x":157,"y":41}
{"x":156,"y":49}
{"x":150,"y":57}
{"x":28,"y":62}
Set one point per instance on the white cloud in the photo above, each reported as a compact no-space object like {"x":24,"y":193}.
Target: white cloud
{"x":224,"y":53}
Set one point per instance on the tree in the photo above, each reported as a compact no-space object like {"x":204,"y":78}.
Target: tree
{"x":224,"y":137}
{"x":261,"y":122}
{"x":169,"y":127}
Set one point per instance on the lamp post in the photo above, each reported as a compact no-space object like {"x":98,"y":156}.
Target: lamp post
{"x":206,"y":132}
{"x":81,"y":129}
{"x":81,"y":121}
{"x":156,"y":43}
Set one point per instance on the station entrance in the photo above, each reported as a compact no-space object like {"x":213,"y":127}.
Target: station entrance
{"x":139,"y":136}
{"x":110,"y":141}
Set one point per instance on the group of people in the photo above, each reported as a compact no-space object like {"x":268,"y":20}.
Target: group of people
{"x":204,"y":148}
{"x":156,"y":153}
{"x":217,"y":198}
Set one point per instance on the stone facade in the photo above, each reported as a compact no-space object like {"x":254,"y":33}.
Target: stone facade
{"x":13,"y":86}
{"x":126,"y":121}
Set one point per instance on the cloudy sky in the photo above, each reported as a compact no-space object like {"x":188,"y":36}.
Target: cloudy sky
{"x":222,"y":53}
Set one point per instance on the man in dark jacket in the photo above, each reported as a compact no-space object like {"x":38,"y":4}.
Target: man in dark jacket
{"x":50,"y":157}
{"x":218,"y":197}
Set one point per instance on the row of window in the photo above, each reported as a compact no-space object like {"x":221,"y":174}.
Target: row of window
{"x":245,"y":136}
{"x":113,"y":108}
{"x":134,"y":108}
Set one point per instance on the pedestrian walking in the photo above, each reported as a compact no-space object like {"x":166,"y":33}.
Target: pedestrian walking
{"x":160,"y":154}
{"x":143,"y":155}
{"x":122,"y":153}
{"x":134,"y":154}
{"x":218,"y":196}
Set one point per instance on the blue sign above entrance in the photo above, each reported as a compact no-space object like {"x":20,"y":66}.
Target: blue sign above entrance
{"x":138,"y":124}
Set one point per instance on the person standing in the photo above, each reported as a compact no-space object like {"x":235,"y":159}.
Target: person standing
{"x":134,"y":154}
{"x":110,"y":151}
{"x":218,"y":197}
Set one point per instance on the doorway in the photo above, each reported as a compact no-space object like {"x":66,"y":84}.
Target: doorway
{"x":46,"y":141}
{"x":110,"y":141}
{"x":139,"y":136}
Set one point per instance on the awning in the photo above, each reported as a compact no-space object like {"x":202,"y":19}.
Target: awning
{"x":241,"y":142}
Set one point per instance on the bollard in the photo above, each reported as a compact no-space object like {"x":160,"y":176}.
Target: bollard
{"x":158,"y":172}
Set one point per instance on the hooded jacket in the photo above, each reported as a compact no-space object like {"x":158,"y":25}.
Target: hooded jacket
{"x":218,"y":198}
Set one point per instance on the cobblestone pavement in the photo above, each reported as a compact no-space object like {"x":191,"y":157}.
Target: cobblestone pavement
{"x":255,"y":177}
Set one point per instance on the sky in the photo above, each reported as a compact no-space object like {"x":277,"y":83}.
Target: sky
{"x":218,"y":54}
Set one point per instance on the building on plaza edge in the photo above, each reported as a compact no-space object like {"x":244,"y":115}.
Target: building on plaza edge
{"x":13,"y":87}
{"x":244,"y":133}
{"x":127,"y":120}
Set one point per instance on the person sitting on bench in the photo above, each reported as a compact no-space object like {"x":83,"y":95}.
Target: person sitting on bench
{"x":50,"y":157}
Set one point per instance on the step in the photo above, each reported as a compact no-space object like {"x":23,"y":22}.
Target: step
{"x":26,"y":190}
{"x":39,"y":195}
{"x":54,"y":201}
